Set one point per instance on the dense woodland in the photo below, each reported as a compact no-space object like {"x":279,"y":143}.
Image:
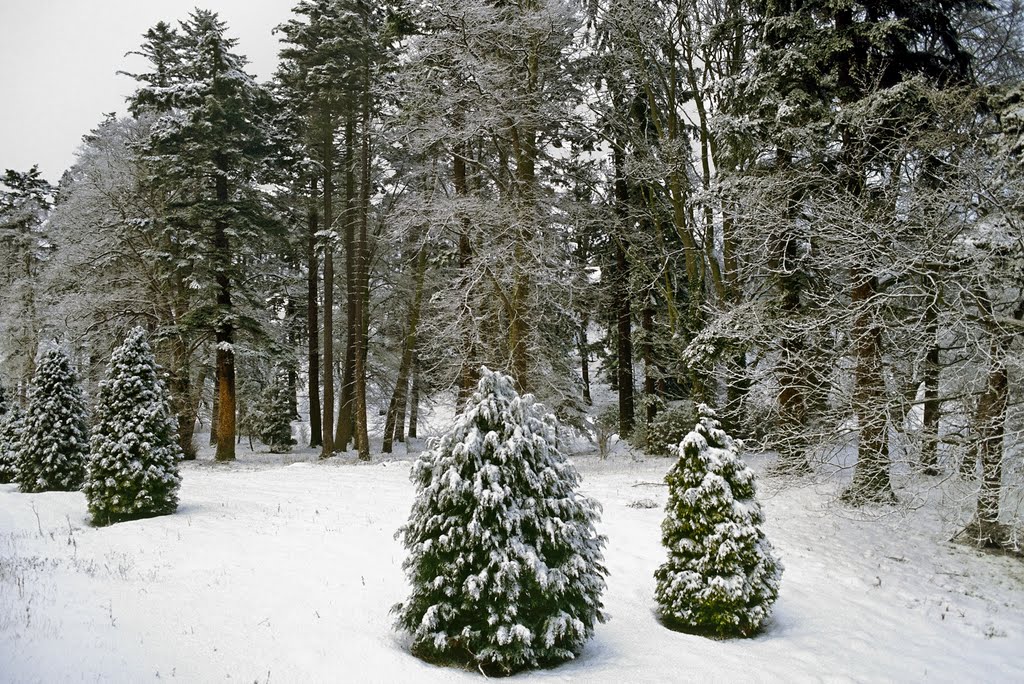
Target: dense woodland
{"x":806,"y":213}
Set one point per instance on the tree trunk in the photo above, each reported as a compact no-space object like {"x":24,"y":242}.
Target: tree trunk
{"x":468,"y":369}
{"x":932,"y":405}
{"x":793,"y":403}
{"x":584,"y":349}
{"x":215,"y":407}
{"x":346,"y":415}
{"x":647,"y":352}
{"x":362,"y":314}
{"x":986,"y":530}
{"x":292,"y":379}
{"x":621,"y":300}
{"x":394,"y":426}
{"x":414,"y":398}
{"x":225,"y":331}
{"x":327,"y":444}
{"x":871,"y":482}
{"x":312,"y":319}
{"x":182,"y":400}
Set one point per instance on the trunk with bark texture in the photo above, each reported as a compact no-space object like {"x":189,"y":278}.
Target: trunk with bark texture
{"x":313,"y":320}
{"x":224,"y":335}
{"x":182,"y":400}
{"x":621,"y":302}
{"x":361,"y":312}
{"x":414,"y":397}
{"x":394,"y":427}
{"x":327,"y":440}
{"x":346,"y":421}
{"x":932,"y":405}
{"x":871,"y":481}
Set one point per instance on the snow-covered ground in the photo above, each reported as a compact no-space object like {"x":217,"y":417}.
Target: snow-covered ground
{"x":283,"y":569}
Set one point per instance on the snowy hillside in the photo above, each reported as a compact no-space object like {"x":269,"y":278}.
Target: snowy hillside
{"x":283,"y":569}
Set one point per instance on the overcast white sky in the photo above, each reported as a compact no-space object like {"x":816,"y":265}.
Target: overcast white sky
{"x":59,"y":61}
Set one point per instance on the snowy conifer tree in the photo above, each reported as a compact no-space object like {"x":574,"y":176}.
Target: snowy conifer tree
{"x":52,"y":440}
{"x":721,"y":576}
{"x":505,"y":563}
{"x":134,"y":450}
{"x":8,"y":420}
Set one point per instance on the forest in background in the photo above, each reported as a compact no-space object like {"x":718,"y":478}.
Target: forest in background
{"x":805,"y":213}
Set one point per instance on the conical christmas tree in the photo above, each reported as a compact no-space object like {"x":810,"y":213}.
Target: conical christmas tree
{"x":505,"y":563}
{"x":52,"y":440}
{"x":271,"y":417}
{"x":9,"y":417}
{"x":721,"y":577}
{"x":134,"y":450}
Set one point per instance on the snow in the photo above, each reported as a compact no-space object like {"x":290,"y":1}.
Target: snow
{"x":282,"y":568}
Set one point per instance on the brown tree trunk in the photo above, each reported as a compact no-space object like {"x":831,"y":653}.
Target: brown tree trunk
{"x":621,"y":300}
{"x":224,"y":334}
{"x":312,"y":318}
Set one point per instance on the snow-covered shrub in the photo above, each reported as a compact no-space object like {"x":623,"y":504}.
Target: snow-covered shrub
{"x":505,"y":564}
{"x":134,"y":451}
{"x":8,"y":431}
{"x":668,"y":428}
{"x":721,"y":577}
{"x":52,"y":438}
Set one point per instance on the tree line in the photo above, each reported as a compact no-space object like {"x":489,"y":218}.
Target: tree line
{"x":803,"y":212}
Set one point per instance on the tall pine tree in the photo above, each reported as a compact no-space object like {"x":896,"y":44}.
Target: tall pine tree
{"x":208,"y":151}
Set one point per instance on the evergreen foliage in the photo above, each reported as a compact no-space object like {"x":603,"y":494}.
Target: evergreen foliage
{"x":721,"y":576}
{"x":8,"y":421}
{"x":52,"y":441}
{"x":269,"y":417}
{"x":668,"y":428}
{"x":134,"y":452}
{"x":504,"y":560}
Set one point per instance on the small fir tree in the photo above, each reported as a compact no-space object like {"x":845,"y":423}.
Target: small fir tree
{"x":505,"y":563}
{"x":721,"y":577}
{"x":8,"y":432}
{"x":270,"y":416}
{"x":134,"y":450}
{"x":52,"y":438}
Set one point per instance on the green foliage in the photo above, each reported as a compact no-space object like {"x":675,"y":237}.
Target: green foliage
{"x":505,"y":564}
{"x":721,"y":577}
{"x":52,"y":440}
{"x":269,"y":418}
{"x":8,"y":431}
{"x":664,"y":433}
{"x":134,"y":451}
